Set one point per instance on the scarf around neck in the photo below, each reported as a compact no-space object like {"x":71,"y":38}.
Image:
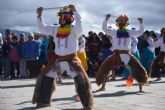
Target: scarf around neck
{"x":122,"y":33}
{"x":64,"y":31}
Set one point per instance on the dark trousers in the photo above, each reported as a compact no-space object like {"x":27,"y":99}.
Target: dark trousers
{"x":33,"y":68}
{"x":1,"y":64}
{"x":14,"y":66}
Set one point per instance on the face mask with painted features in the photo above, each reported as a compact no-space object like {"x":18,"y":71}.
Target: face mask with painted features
{"x":66,"y":16}
{"x":122,"y":21}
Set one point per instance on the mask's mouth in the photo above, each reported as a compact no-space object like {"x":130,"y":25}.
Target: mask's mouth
{"x":122,"y":23}
{"x":66,"y":20}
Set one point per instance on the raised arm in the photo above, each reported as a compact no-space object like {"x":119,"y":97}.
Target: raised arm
{"x":43,"y":28}
{"x":137,"y":33}
{"x":77,"y":18}
{"x":105,"y":27}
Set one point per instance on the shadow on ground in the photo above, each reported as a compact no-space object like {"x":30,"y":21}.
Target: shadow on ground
{"x":116,"y":94}
{"x":17,"y":86}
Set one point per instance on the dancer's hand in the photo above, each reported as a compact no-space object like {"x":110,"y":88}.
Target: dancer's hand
{"x":72,"y":8}
{"x":59,"y":80}
{"x":39,"y":11}
{"x":140,"y":20}
{"x":44,"y":69}
{"x":107,"y":16}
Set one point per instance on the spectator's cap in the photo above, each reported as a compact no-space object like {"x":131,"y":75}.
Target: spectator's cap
{"x":0,"y":36}
{"x":31,"y":34}
{"x":22,"y":35}
{"x":36,"y":34}
{"x":134,"y":39}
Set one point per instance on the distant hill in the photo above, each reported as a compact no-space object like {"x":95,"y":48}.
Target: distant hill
{"x":17,"y":32}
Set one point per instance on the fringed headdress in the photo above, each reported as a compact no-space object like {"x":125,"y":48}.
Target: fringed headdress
{"x":122,"y":19}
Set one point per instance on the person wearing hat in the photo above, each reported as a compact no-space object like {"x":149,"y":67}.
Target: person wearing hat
{"x":30,"y":54}
{"x":6,"y":49}
{"x":65,"y":58}
{"x":122,"y":38}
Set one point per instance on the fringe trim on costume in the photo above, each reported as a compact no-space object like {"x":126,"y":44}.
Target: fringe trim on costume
{"x":105,"y":68}
{"x":138,"y":71}
{"x":38,"y":85}
{"x":83,"y":85}
{"x":37,"y":89}
{"x":52,"y":64}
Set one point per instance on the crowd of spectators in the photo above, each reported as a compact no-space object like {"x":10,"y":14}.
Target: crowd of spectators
{"x":23,"y":56}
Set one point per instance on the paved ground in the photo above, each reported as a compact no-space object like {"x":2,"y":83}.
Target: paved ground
{"x":17,"y":95}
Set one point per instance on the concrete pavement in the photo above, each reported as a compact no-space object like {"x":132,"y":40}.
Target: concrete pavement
{"x":17,"y":95}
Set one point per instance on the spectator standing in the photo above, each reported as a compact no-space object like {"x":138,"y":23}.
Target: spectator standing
{"x":6,"y":47}
{"x":23,"y":70}
{"x":1,"y":56}
{"x":14,"y":57}
{"x":30,"y":53}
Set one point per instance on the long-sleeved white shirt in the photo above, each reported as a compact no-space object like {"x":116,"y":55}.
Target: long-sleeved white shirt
{"x":159,"y":43}
{"x":61,"y":48}
{"x":124,"y":45}
{"x":151,"y":46}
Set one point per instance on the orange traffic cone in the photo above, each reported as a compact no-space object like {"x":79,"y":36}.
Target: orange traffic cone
{"x":129,"y":82}
{"x":77,"y":98}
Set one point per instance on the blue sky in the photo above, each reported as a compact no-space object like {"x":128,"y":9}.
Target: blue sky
{"x":21,"y":14}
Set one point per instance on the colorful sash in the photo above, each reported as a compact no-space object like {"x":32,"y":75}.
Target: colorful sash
{"x":64,"y":31}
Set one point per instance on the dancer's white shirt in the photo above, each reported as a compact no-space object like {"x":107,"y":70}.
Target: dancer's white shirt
{"x":81,"y":42}
{"x":62,"y":48}
{"x":125,"y":44}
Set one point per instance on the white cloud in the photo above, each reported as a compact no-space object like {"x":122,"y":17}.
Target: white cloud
{"x":20,"y":14}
